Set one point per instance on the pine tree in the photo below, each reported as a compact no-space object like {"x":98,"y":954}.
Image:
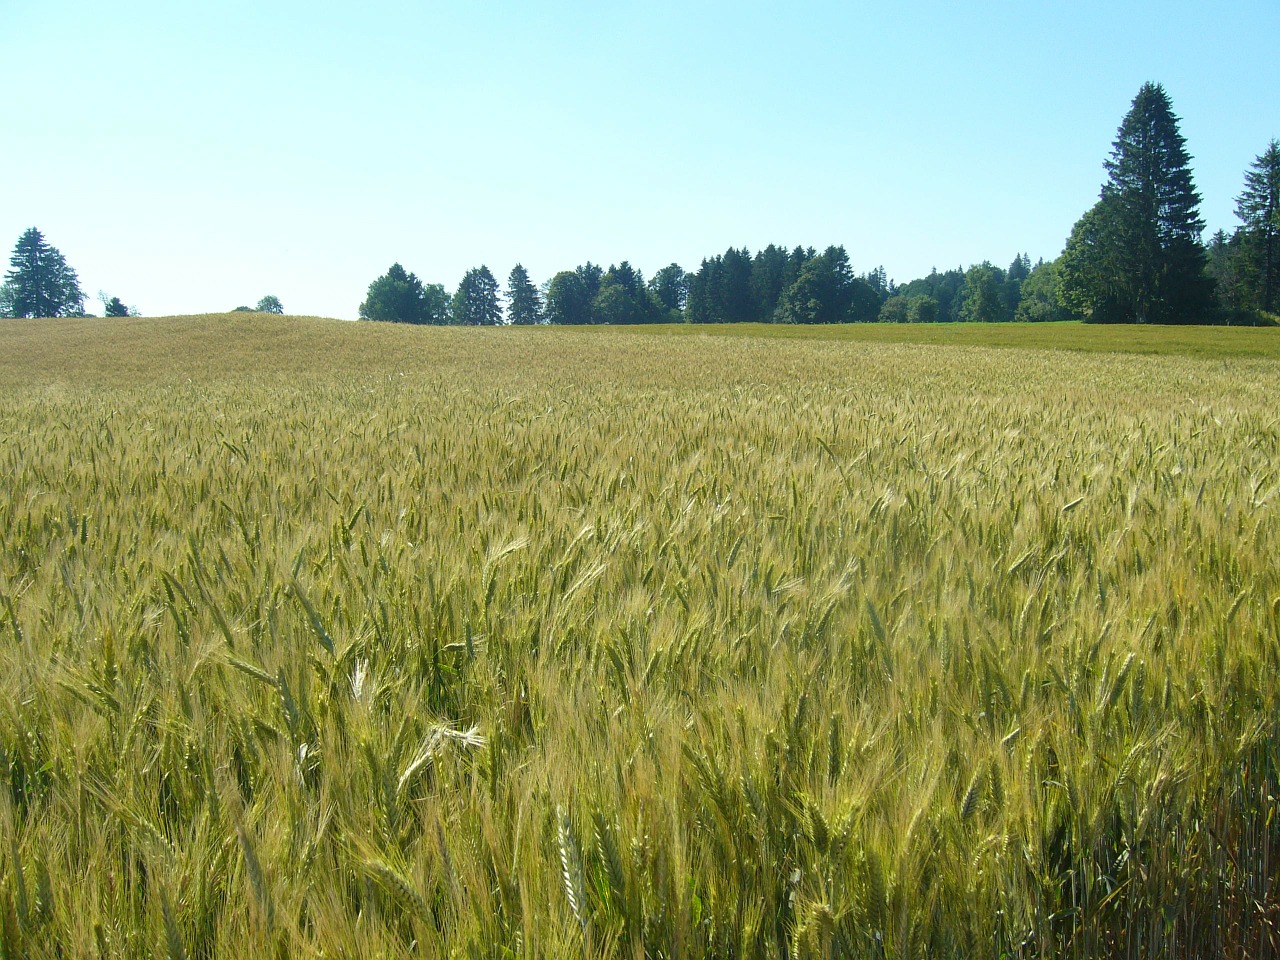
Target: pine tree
{"x":40,"y":283}
{"x":524,"y":303}
{"x":1259,"y":210}
{"x":475,"y":303}
{"x":1143,"y":262}
{"x":828,"y":291}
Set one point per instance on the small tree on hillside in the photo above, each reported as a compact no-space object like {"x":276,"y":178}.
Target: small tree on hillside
{"x":270,"y":304}
{"x":400,"y":297}
{"x":39,"y":282}
{"x":6,"y":300}
{"x":113,"y":306}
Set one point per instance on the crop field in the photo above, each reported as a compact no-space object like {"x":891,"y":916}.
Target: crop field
{"x":352,"y":640}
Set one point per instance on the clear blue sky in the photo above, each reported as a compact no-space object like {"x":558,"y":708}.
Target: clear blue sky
{"x":193,"y":157}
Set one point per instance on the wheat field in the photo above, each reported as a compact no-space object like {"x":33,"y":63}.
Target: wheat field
{"x":338,"y":640}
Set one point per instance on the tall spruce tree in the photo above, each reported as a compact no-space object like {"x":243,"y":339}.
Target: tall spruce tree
{"x":1259,"y":211}
{"x":1142,"y":258}
{"x":524,"y":303}
{"x":39,"y":282}
{"x":475,"y":302}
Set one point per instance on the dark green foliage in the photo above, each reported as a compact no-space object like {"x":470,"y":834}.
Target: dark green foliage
{"x":920,"y":308}
{"x":1011,"y":289}
{"x":777,"y":286}
{"x":270,"y":304}
{"x":1234,"y":276}
{"x":475,"y":303}
{"x":437,"y":305}
{"x":625,"y":276}
{"x":400,"y":297}
{"x":114,"y":307}
{"x":943,"y":288}
{"x":524,"y":303}
{"x":895,"y":309}
{"x":827,"y":291}
{"x":571,"y":295}
{"x":879,"y":283}
{"x":981,"y":297}
{"x":566,"y":300}
{"x":1136,"y":257}
{"x":703,"y":303}
{"x":1092,"y":286}
{"x":807,"y":300}
{"x":670,"y":287}
{"x":771,"y":274}
{"x":720,"y":292}
{"x":624,"y":298}
{"x":613,"y":304}
{"x":1041,"y":295}
{"x":1020,"y":269}
{"x":735,"y":284}
{"x":39,"y":282}
{"x":1259,"y":211}
{"x":243,"y":309}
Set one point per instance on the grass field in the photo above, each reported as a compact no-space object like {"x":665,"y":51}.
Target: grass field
{"x":353,"y":640}
{"x":1168,"y":341}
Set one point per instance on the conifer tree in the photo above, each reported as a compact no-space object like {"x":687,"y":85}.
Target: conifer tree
{"x":1140,"y":260}
{"x":475,"y":303}
{"x":39,"y":282}
{"x":1259,"y":210}
{"x":524,"y":303}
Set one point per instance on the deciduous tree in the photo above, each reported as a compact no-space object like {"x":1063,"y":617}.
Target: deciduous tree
{"x":980,"y":297}
{"x":400,"y":297}
{"x":572,"y":293}
{"x":1041,"y":295}
{"x":1092,"y":284}
{"x":670,"y":286}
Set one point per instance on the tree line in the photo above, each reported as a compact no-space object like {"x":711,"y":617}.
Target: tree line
{"x":1135,"y":257}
